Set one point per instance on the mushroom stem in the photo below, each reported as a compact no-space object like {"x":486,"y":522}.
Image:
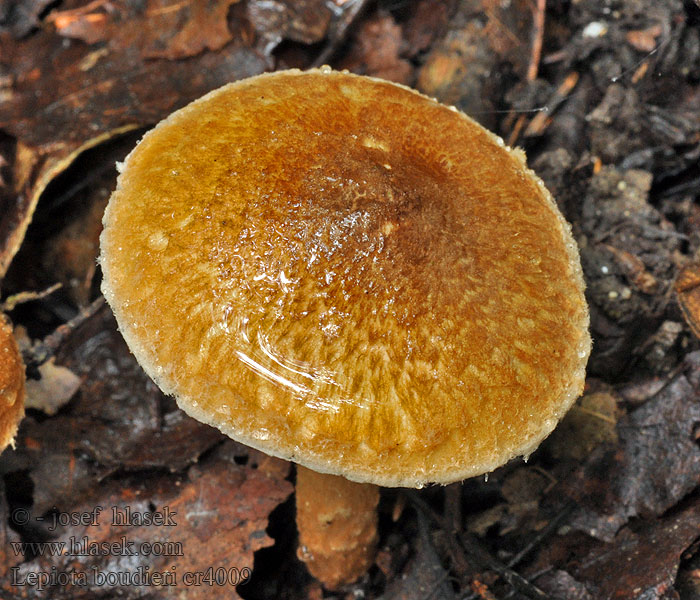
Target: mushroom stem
{"x":337,"y":523}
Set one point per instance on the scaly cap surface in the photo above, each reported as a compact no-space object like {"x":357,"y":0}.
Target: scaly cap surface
{"x":340,"y":271}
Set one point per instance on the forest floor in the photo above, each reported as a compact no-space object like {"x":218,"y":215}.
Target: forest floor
{"x":603,"y":95}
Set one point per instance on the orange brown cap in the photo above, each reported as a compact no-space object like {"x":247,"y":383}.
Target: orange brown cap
{"x":11,"y":385}
{"x":340,"y":271}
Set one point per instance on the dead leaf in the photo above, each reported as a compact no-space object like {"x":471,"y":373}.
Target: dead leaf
{"x":423,"y":575}
{"x":303,"y":21}
{"x":57,"y":470}
{"x":656,"y":463}
{"x":641,"y":562}
{"x":376,"y":50}
{"x":522,"y":489}
{"x":165,"y":536}
{"x":560,"y":584}
{"x":590,"y":422}
{"x":428,"y":20}
{"x":109,"y":72}
{"x":160,"y":28}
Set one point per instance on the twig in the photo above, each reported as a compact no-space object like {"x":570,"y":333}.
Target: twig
{"x":548,"y":530}
{"x":461,"y":561}
{"x":517,"y":128}
{"x":541,"y":119}
{"x":480,"y":555}
{"x":12,"y":301}
{"x":44,"y":350}
{"x":543,"y":116}
{"x":536,"y":52}
{"x":430,"y":550}
{"x":341,"y":32}
{"x":514,"y":579}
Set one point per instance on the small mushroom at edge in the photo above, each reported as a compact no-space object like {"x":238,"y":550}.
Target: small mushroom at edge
{"x":342,"y":272}
{"x":12,"y":385}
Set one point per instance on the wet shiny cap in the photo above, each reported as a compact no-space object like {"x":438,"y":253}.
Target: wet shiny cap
{"x":342,"y":272}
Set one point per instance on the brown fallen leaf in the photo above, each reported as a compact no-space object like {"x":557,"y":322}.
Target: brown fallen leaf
{"x":590,"y":422}
{"x":376,"y":49}
{"x":303,"y":21}
{"x":655,"y":464}
{"x":561,"y":584}
{"x":191,"y":537}
{"x":159,"y":29}
{"x":426,"y":23}
{"x":522,"y":490}
{"x":96,"y":72}
{"x":641,"y":562}
{"x":424,"y":575}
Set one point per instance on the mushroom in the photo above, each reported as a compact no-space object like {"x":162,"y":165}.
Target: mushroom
{"x":342,"y":272}
{"x":11,"y":385}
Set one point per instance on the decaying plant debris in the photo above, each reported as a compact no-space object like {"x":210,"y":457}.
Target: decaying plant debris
{"x":605,"y":99}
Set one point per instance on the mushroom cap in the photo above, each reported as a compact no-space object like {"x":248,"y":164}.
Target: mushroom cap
{"x":11,"y":385}
{"x":340,"y":271}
